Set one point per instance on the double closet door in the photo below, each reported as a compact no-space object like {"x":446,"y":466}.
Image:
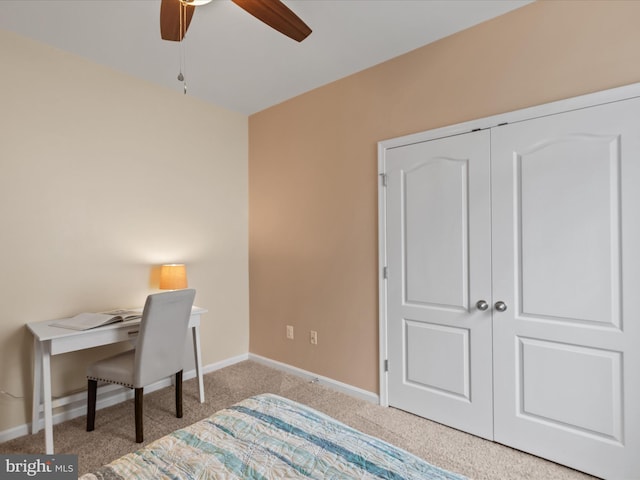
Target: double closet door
{"x":513,"y":284}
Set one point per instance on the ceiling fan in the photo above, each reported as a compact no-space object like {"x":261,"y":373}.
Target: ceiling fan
{"x":175,"y":16}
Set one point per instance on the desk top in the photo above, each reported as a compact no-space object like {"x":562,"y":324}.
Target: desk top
{"x":44,"y":331}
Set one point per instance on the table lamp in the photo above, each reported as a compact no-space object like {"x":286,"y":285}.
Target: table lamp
{"x":173,"y":276}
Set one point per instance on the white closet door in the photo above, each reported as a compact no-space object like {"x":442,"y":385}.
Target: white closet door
{"x":566,"y":237}
{"x":438,"y":238}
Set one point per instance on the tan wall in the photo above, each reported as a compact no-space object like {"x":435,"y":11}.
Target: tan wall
{"x":313,"y":164}
{"x":103,"y":176}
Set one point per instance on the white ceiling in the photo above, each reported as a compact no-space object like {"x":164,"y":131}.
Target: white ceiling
{"x":235,"y":61}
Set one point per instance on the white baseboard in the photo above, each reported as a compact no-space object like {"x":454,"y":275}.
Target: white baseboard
{"x":222,"y":364}
{"x":74,"y":405}
{"x":335,"y":384}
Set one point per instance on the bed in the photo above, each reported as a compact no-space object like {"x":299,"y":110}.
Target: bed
{"x":269,"y":437}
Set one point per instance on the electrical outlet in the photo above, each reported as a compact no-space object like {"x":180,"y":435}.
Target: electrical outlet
{"x":313,"y":337}
{"x":290,"y":332}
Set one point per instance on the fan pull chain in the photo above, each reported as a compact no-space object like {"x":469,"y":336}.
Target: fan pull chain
{"x":183,"y":65}
{"x":183,"y":14}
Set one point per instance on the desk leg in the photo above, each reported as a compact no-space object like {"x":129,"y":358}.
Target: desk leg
{"x":198,"y":357}
{"x":48,"y":408}
{"x":37,"y":385}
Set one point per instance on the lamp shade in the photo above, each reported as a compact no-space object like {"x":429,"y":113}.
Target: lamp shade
{"x":173,"y":276}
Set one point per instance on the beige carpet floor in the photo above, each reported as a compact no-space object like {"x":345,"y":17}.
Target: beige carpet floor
{"x":439,"y":445}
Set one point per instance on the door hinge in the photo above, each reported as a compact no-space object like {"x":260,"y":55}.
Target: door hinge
{"x":385,"y":272}
{"x":386,"y":365}
{"x":383,"y":179}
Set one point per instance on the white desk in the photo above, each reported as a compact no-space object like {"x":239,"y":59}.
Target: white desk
{"x":49,"y":340}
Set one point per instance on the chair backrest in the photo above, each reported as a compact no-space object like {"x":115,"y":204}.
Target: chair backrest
{"x":163,"y":331}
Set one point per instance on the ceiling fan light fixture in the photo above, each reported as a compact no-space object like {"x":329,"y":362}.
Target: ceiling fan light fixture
{"x":175,"y":16}
{"x":195,"y":3}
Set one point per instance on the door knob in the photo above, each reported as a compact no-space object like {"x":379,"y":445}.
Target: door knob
{"x":482,"y":305}
{"x":500,"y":306}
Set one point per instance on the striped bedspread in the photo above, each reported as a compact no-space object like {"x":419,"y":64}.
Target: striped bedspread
{"x":269,"y":437}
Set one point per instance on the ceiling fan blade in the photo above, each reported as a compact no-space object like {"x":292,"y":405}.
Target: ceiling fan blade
{"x":278,"y":16}
{"x":170,"y":11}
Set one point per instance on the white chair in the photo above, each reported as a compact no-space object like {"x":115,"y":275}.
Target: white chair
{"x":157,"y":354}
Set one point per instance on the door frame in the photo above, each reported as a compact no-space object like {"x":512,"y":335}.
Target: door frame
{"x":574,"y":103}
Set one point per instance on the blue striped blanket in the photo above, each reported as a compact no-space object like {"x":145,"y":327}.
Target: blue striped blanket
{"x":269,"y":437}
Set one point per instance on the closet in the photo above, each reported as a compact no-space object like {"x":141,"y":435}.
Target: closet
{"x":510,"y":279}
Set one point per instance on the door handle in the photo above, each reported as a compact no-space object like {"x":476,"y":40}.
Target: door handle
{"x":500,"y":306}
{"x":482,"y":305}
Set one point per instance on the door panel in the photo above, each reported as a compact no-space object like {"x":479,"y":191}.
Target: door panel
{"x":430,"y":346}
{"x":438,"y":238}
{"x":579,"y":373}
{"x":435,"y":194}
{"x":565,"y":350}
{"x":570,"y":184}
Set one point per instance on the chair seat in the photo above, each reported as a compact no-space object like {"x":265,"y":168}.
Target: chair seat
{"x":116,"y":369}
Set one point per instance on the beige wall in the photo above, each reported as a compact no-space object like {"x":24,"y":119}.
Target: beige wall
{"x":103,"y":176}
{"x":313,"y":164}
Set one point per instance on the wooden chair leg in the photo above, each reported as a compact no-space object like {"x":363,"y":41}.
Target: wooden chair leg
{"x":138,"y":414}
{"x":92,"y":390}
{"x":179,"y":394}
